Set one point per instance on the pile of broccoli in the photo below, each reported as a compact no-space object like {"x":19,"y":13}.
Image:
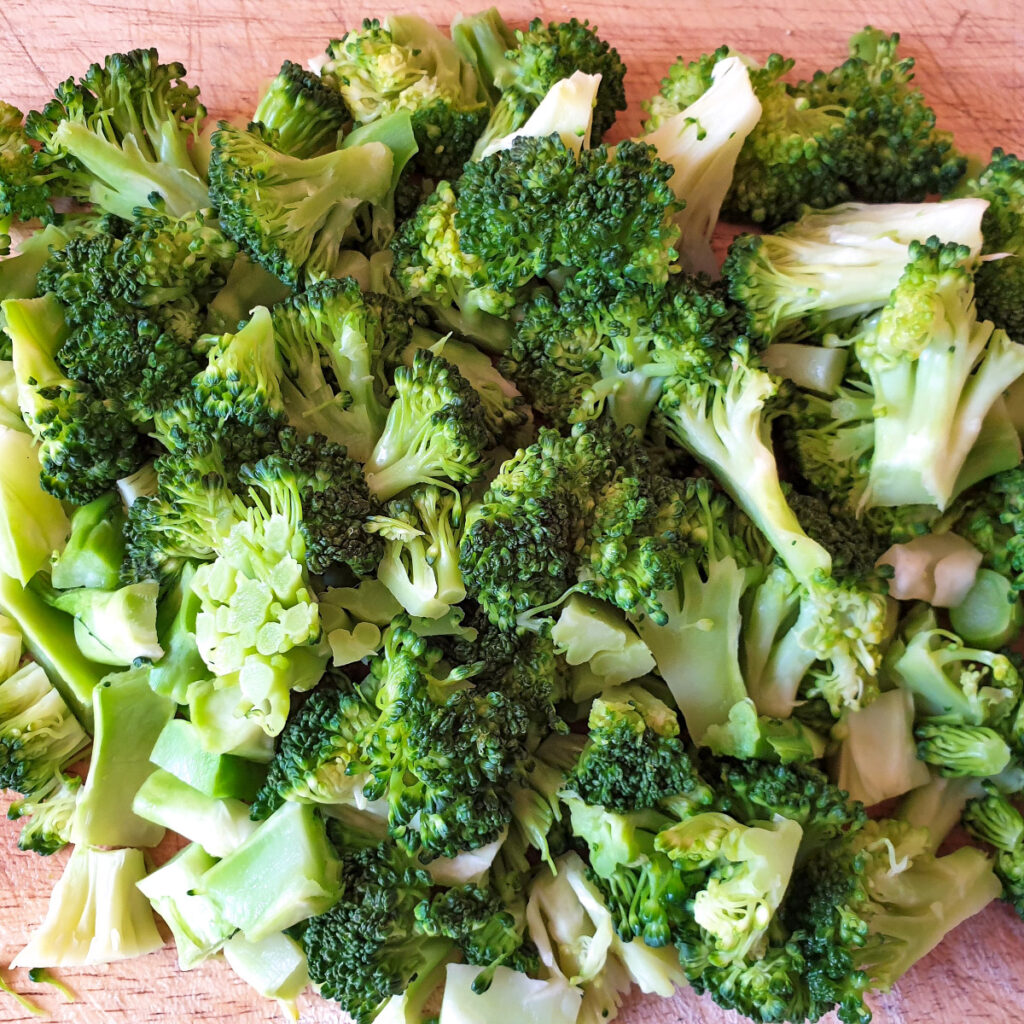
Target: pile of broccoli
{"x":400,"y":503}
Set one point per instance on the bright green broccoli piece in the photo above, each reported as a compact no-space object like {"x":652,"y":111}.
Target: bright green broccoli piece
{"x":333,"y":341}
{"x":26,"y":187}
{"x":123,"y":135}
{"x":994,"y":820}
{"x":305,"y":114}
{"x":436,"y":430}
{"x":39,"y":736}
{"x":294,"y":215}
{"x":936,"y":371}
{"x":519,"y":68}
{"x":86,"y":440}
{"x":316,"y":749}
{"x":405,"y":63}
{"x":94,"y":552}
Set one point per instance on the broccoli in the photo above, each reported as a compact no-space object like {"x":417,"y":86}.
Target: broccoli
{"x":135,"y":304}
{"x":702,"y":143}
{"x":517,"y":69}
{"x":94,"y":552}
{"x":293,"y":215}
{"x":50,"y":812}
{"x":436,"y":430}
{"x":935,"y":371}
{"x":122,"y":135}
{"x":368,"y":946}
{"x":39,"y":736}
{"x":316,"y":748}
{"x":420,"y":565}
{"x":1000,"y":283}
{"x":333,"y":341}
{"x":86,"y":440}
{"x":304,"y":112}
{"x":26,"y":187}
{"x":994,"y":820}
{"x":95,"y":915}
{"x":832,"y":266}
{"x":407,"y":64}
{"x":331,"y":492}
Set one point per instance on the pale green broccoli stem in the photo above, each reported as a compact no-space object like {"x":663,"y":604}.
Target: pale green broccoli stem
{"x":96,"y":914}
{"x":701,"y":643}
{"x":991,"y":615}
{"x":750,"y":736}
{"x":10,"y":647}
{"x":198,"y":928}
{"x":10,"y":414}
{"x":275,"y":967}
{"x":179,"y":750}
{"x":937,"y":805}
{"x":129,"y":717}
{"x":299,"y":873}
{"x":218,"y":825}
{"x":930,"y":410}
{"x":95,"y":550}
{"x":126,"y":176}
{"x":702,"y":143}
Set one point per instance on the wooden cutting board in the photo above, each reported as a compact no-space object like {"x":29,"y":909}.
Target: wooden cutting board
{"x":970,"y":65}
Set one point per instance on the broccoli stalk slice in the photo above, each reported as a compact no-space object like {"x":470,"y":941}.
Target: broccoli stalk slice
{"x":700,"y":641}
{"x":275,"y":967}
{"x":96,"y":914}
{"x":129,"y":717}
{"x":94,"y":552}
{"x":179,"y":750}
{"x":702,"y":143}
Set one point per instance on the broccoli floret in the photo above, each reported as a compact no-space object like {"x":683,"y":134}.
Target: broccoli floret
{"x":26,"y":188}
{"x":898,"y":154}
{"x":368,"y":946}
{"x":50,"y":812}
{"x":316,"y":748}
{"x":420,"y":564}
{"x":86,"y":440}
{"x":333,"y":341}
{"x":536,"y":207}
{"x":39,"y":736}
{"x":831,"y":267}
{"x":935,"y":371}
{"x":406,"y":63}
{"x":994,"y":820}
{"x":123,"y":134}
{"x":519,"y":68}
{"x":331,"y":492}
{"x":795,"y":154}
{"x":436,"y":430}
{"x":634,"y":756}
{"x":135,"y":305}
{"x":1000,"y":283}
{"x":305,"y":114}
{"x":431,"y":268}
{"x":293,"y":215}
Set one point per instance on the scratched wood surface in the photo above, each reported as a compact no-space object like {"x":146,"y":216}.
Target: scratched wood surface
{"x":971,"y":66}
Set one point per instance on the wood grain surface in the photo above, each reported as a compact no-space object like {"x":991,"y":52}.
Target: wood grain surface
{"x":970,"y":65}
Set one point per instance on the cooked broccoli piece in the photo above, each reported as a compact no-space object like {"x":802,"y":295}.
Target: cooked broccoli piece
{"x":702,"y":143}
{"x":331,"y":492}
{"x":123,"y":134}
{"x":305,"y":114}
{"x":537,"y":207}
{"x":898,"y":154}
{"x":833,"y":266}
{"x":94,"y":552}
{"x":96,"y":915}
{"x":436,"y":430}
{"x":994,"y":820}
{"x":26,"y":187}
{"x":936,"y":371}
{"x":333,"y":341}
{"x":293,"y":215}
{"x":50,"y":813}
{"x":518,"y":68}
{"x":634,"y":757}
{"x":405,"y":63}
{"x":39,"y":736}
{"x":420,"y":564}
{"x":1000,"y":283}
{"x":318,"y":745}
{"x":247,"y":286}
{"x":86,"y":440}
{"x":135,"y":305}
{"x":368,"y":946}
